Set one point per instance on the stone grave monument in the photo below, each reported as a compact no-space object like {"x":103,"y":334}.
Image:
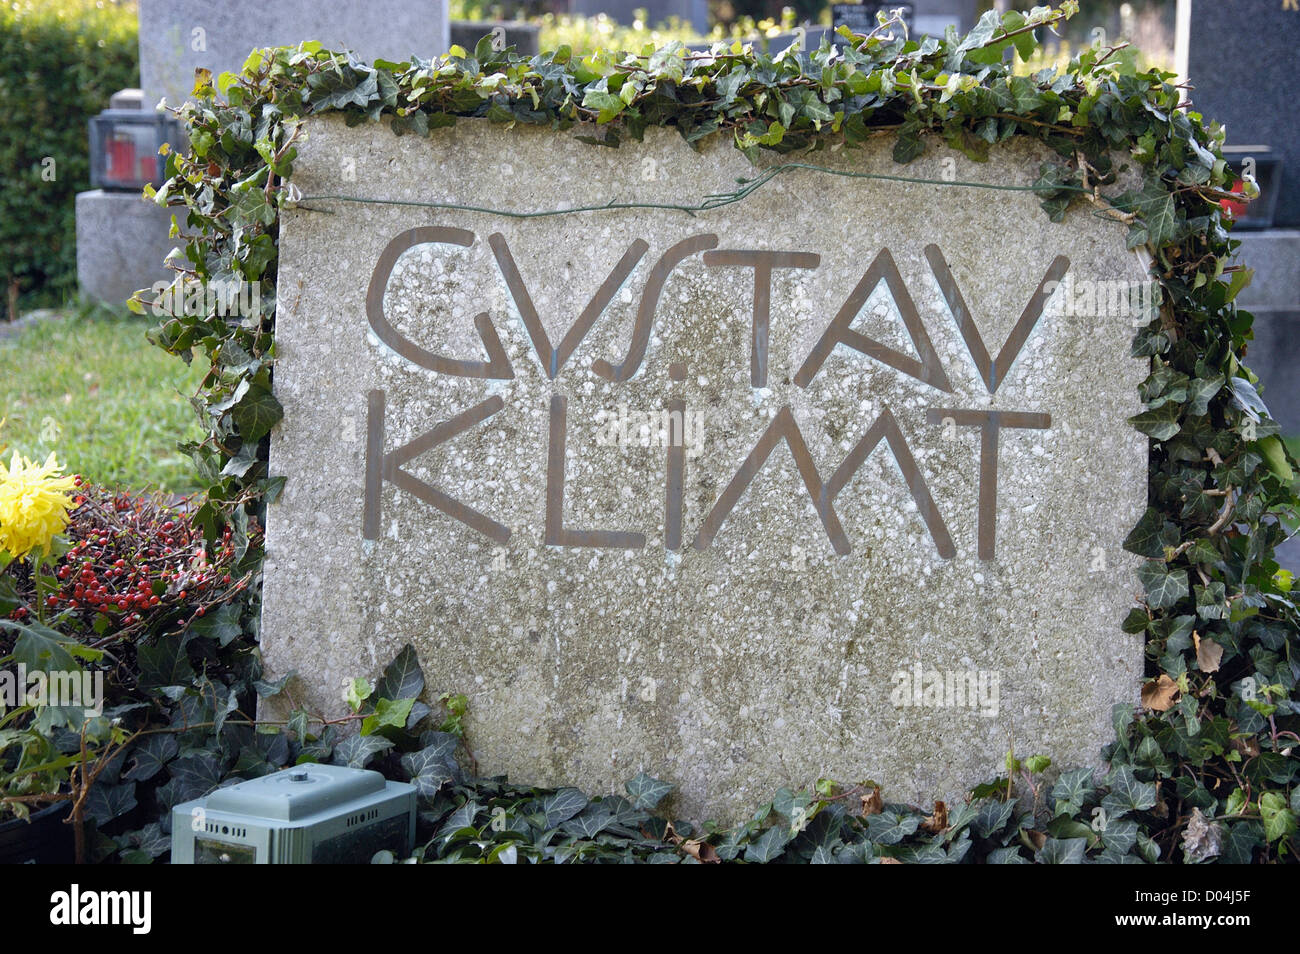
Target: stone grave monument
{"x":831,"y":481}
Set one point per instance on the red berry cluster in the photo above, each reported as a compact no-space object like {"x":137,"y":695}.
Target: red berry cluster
{"x":135,"y":560}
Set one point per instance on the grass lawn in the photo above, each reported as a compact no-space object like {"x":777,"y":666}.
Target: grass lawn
{"x":89,"y":387}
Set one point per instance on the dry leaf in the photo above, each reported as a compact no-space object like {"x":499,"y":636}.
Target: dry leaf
{"x":1201,"y":840}
{"x":873,"y":804}
{"x":1208,"y":653}
{"x":938,"y":821}
{"x":1158,"y":695}
{"x":890,"y":861}
{"x":1039,"y":838}
{"x":701,"y":851}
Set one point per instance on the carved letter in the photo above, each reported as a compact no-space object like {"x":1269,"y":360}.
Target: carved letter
{"x":556,"y":534}
{"x":783,"y":427}
{"x":928,"y":369}
{"x":497,"y":366}
{"x":553,"y":358}
{"x":645,"y":313}
{"x":675,"y":466}
{"x":994,"y":372}
{"x":887,"y":427}
{"x":762,"y":263}
{"x":382,"y":466}
{"x":990,"y":423}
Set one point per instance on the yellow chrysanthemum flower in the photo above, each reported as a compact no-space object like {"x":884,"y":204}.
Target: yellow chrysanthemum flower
{"x":34,"y":504}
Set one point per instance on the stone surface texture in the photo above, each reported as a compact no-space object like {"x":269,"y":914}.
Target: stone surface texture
{"x":765,"y":658}
{"x":122,"y":241}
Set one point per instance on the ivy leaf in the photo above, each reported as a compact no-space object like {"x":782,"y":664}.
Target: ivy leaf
{"x":1159,"y":424}
{"x":605,"y":103}
{"x":1274,"y":454}
{"x":1279,"y":821}
{"x":403,"y":678}
{"x":908,"y":145}
{"x":768,"y":846}
{"x":196,"y":775}
{"x":1164,"y":587}
{"x":981,"y":33}
{"x":1072,"y":790}
{"x":1127,"y":793}
{"x":889,"y":828}
{"x":106,"y":802}
{"x":1007,"y":856}
{"x":256,"y":413}
{"x":1025,"y":95}
{"x":647,"y":792}
{"x":1244,"y":838}
{"x":923,"y":855}
{"x":1154,"y":206}
{"x":265,"y":690}
{"x":561,"y":805}
{"x":594,"y":819}
{"x":993,"y":815}
{"x":357,"y":751}
{"x":164,"y":663}
{"x":220,"y":623}
{"x":429,"y":769}
{"x":223,"y":712}
{"x":388,"y":714}
{"x":1062,"y":851}
{"x":1151,"y":535}
{"x":42,"y":649}
{"x":1200,"y":391}
{"x":149,"y":756}
{"x":151,"y":839}
{"x":1247,"y":398}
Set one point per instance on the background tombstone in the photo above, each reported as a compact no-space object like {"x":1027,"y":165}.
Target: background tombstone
{"x":921,"y":17}
{"x":1240,"y":57}
{"x":935,"y":16}
{"x":524,"y":37}
{"x":468,"y":474}
{"x":693,"y":12}
{"x":179,"y":36}
{"x":121,"y":240}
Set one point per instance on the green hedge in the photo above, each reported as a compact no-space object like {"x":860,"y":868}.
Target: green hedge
{"x":60,"y":61}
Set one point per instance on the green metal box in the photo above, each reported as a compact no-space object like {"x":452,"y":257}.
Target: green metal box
{"x":308,"y":814}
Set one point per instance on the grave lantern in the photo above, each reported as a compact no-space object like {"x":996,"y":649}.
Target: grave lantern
{"x":1266,"y":168}
{"x":124,"y":146}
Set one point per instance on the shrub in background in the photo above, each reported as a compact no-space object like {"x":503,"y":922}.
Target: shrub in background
{"x":60,"y":61}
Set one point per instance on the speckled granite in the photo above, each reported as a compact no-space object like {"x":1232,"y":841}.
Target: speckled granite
{"x":779,"y":638}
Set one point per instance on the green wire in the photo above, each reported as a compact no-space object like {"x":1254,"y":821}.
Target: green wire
{"x":714,"y":201}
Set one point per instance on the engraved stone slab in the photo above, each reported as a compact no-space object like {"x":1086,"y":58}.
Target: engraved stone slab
{"x":831,"y":481}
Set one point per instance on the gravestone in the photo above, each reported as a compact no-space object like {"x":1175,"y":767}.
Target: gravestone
{"x":1238,"y":55}
{"x":121,"y":241}
{"x":524,"y":37}
{"x":179,"y":36}
{"x":921,"y":17}
{"x":935,"y":16}
{"x":861,"y":17}
{"x":694,"y":13}
{"x":831,"y":481}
